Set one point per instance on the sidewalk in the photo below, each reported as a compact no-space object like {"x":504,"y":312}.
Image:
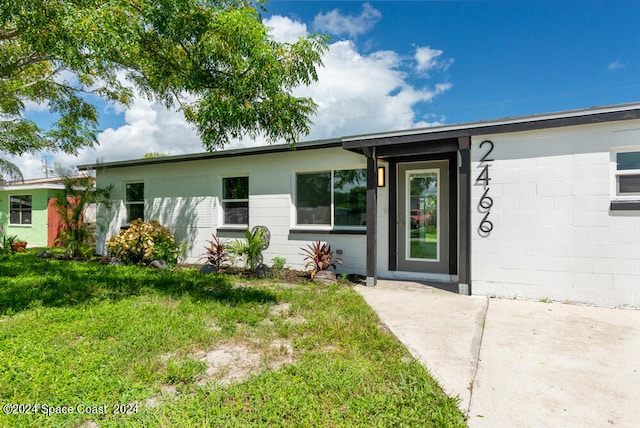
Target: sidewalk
{"x":517,"y":363}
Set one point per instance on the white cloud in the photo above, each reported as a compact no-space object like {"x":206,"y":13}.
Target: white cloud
{"x":428,"y":59}
{"x":616,"y":65}
{"x":356,"y":93}
{"x":334,"y":22}
{"x":359,"y":93}
{"x":35,"y":107}
{"x":149,"y":127}
{"x":285,"y":29}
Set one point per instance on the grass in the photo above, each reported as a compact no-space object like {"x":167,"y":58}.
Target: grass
{"x":424,"y":242}
{"x":180,"y":348}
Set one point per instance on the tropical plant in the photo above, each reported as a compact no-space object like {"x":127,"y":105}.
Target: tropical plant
{"x":216,"y":252}
{"x":144,"y":242}
{"x":278,"y":263}
{"x":71,"y":202}
{"x":7,"y":244}
{"x":319,"y":257}
{"x":277,"y":266}
{"x":251,"y":248}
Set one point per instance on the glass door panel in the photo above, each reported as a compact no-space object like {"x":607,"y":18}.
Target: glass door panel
{"x":422,"y":234}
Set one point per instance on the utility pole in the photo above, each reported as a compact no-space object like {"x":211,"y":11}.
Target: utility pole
{"x":45,"y":167}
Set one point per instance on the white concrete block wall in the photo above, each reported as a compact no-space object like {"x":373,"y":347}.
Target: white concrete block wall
{"x":554,"y":236}
{"x":186,"y":198}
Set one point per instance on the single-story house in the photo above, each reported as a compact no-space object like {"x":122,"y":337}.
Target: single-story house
{"x":28,"y":211}
{"x":539,"y":207}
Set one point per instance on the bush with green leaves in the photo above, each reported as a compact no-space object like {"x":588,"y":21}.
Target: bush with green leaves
{"x":255,"y":241}
{"x":144,"y":242}
{"x":7,"y":244}
{"x":278,"y":263}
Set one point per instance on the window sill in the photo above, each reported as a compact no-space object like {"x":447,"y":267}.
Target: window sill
{"x":625,"y":205}
{"x":239,"y":228}
{"x":231,"y":231}
{"x":328,"y":231}
{"x":19,"y":225}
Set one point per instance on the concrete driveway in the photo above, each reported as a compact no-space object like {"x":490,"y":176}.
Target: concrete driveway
{"x":516,"y":363}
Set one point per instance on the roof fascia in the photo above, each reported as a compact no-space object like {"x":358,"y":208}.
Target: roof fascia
{"x":21,"y":187}
{"x":492,"y":127}
{"x":280,"y":148}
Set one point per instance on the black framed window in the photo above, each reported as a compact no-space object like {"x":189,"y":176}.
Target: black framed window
{"x":331,"y":198}
{"x":134,"y":201}
{"x":628,"y":173}
{"x":20,"y":209}
{"x":235,"y":201}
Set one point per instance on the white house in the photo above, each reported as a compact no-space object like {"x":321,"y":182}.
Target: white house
{"x":538,"y":207}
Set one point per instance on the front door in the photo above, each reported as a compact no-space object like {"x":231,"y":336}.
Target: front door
{"x":423,"y":216}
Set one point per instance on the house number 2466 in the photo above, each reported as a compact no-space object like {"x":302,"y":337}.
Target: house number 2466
{"x":485,"y":203}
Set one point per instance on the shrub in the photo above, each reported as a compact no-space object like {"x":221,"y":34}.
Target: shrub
{"x":278,"y":263}
{"x":251,"y":248}
{"x":144,"y":242}
{"x":319,"y":256}
{"x":7,"y":244}
{"x":216,"y":253}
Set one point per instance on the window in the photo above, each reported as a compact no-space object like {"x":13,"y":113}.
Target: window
{"x":628,"y":174}
{"x":235,"y":200}
{"x":332,"y":198}
{"x":20,"y":209}
{"x":134,"y":201}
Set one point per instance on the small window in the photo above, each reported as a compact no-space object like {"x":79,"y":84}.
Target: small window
{"x":134,"y":201}
{"x":332,"y":198}
{"x":235,"y":201}
{"x":20,"y":209}
{"x":628,"y":174}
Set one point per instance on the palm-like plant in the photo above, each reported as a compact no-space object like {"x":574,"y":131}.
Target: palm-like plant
{"x":9,"y":171}
{"x":251,"y":248}
{"x":70,"y":204}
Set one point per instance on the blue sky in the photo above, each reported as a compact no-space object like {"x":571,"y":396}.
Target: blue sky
{"x":403,"y":64}
{"x":509,"y":57}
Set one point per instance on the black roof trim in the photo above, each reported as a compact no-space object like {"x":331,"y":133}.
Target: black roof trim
{"x":438,"y":133}
{"x":527,"y":123}
{"x":279,"y":148}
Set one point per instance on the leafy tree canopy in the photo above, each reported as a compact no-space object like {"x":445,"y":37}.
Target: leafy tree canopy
{"x":214,"y":59}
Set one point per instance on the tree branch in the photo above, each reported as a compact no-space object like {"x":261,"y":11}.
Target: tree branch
{"x":10,"y":35}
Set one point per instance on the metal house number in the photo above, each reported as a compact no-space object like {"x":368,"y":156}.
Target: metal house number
{"x":485,"y":203}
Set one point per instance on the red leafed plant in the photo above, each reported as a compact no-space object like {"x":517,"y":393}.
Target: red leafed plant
{"x":319,"y":256}
{"x":216,"y":253}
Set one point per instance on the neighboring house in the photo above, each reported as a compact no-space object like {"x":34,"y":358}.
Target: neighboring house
{"x":542,"y":206}
{"x":27,"y":210}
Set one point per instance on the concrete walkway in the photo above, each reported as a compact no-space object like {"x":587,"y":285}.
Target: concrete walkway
{"x":516,"y":363}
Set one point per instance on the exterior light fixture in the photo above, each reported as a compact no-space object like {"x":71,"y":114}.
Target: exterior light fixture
{"x":381,"y":176}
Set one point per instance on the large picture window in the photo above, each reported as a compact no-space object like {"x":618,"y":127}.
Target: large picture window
{"x":134,"y":201}
{"x":331,"y":198}
{"x":20,"y":209}
{"x":235,"y":201}
{"x":628,"y":174}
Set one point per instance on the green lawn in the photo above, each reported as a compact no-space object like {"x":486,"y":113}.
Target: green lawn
{"x":179,"y":348}
{"x":424,"y":243}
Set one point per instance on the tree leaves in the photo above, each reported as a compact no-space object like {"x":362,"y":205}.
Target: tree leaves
{"x":213,"y":59}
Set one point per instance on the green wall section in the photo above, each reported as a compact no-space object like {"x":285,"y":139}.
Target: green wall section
{"x":35,"y":234}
